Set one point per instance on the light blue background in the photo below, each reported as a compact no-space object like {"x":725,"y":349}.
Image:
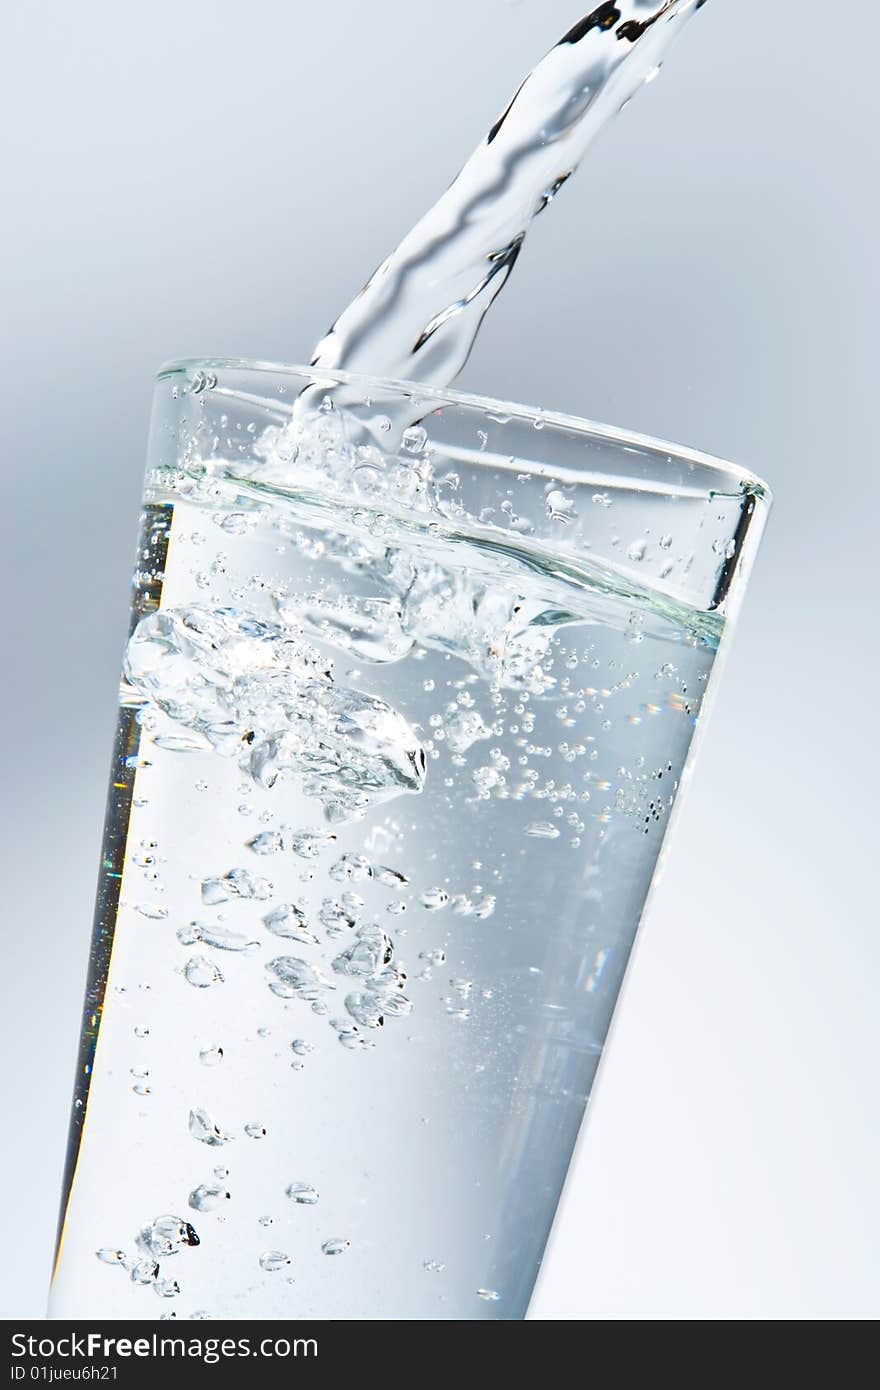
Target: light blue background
{"x":213,"y":178}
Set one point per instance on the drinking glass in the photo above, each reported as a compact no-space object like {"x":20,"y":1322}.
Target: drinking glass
{"x":411,"y":689}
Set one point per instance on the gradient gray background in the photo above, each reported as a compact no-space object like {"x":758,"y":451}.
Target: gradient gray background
{"x":212,"y":178}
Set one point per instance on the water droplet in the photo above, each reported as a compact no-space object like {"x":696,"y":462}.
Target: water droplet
{"x":303,"y":1193}
{"x":434,"y":957}
{"x":255,"y":1130}
{"x":301,"y":1047}
{"x":433,"y":1266}
{"x":208,"y":1197}
{"x":336,"y":1246}
{"x":638,"y":550}
{"x":202,"y":973}
{"x":141,"y":1031}
{"x":489,"y":1295}
{"x":211,"y":1056}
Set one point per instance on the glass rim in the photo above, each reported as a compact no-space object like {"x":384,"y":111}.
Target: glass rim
{"x":742,"y":479}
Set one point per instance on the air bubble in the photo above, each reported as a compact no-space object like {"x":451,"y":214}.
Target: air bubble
{"x":289,"y":921}
{"x":220,"y":938}
{"x":202,"y":973}
{"x":560,"y":507}
{"x":204,"y":1127}
{"x":309,"y":844}
{"x":336,"y":1246}
{"x":414,"y":439}
{"x":208,"y":1197}
{"x":352,"y":868}
{"x":237,"y":883}
{"x":153,"y":911}
{"x":273,"y":1260}
{"x":111,"y":1257}
{"x":166,"y":1236}
{"x":543,"y":830}
{"x":303,"y":1193}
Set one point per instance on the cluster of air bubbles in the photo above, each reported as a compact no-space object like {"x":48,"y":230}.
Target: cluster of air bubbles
{"x":237,"y":883}
{"x":160,"y":1240}
{"x":262,"y":693}
{"x":307,"y":844}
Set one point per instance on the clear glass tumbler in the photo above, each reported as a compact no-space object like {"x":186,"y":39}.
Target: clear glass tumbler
{"x":411,"y":688}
